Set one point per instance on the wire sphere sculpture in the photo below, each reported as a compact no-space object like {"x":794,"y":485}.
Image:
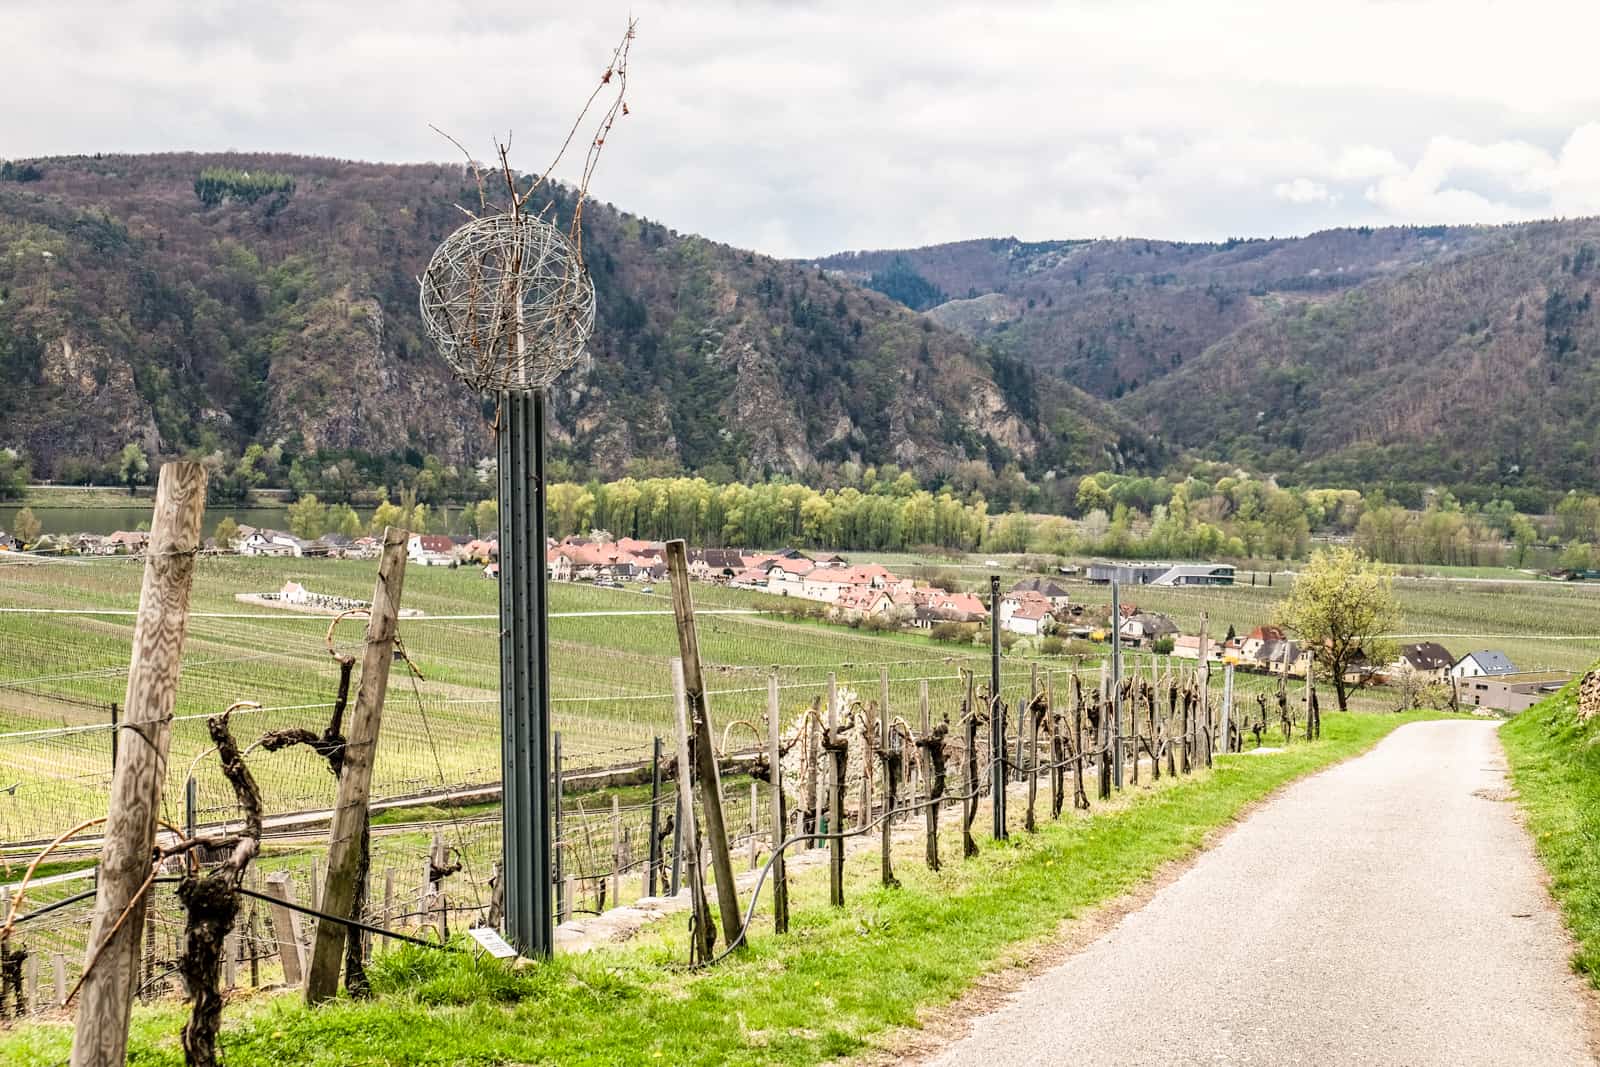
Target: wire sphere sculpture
{"x":508,"y":301}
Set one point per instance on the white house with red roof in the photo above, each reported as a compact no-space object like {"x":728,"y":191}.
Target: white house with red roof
{"x":1025,"y":611}
{"x":431,"y":550}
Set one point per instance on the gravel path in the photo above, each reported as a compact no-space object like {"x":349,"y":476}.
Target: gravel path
{"x":1386,"y":911}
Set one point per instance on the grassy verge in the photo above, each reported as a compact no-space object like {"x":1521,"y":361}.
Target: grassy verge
{"x":840,"y":981}
{"x":1555,"y":764}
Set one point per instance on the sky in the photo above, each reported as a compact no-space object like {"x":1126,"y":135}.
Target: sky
{"x":800,"y":129}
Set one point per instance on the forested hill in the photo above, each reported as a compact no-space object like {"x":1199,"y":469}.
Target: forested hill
{"x":1451,"y":355}
{"x":204,"y":302}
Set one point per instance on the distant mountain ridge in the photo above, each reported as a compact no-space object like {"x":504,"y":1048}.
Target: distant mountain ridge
{"x":1465,"y":355}
{"x":202,"y":301}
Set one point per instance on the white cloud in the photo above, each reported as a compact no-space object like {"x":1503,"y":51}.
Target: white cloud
{"x":1303,"y":191}
{"x":801,"y":129}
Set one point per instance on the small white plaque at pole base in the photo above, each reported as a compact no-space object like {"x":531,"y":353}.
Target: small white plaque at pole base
{"x":491,"y":940}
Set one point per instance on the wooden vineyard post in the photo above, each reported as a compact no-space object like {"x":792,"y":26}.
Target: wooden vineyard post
{"x":558,"y":849}
{"x":884,"y":718}
{"x":100,"y":1037}
{"x":1080,"y":799}
{"x":755,"y":804}
{"x":653,"y":863}
{"x":345,"y":887}
{"x":705,"y":752}
{"x":1227,"y":707}
{"x":286,"y":926}
{"x":1203,"y":673}
{"x":702,"y":935}
{"x":812,"y":771}
{"x":886,"y":747}
{"x":997,"y":720}
{"x":1116,"y":688}
{"x":969,"y":806}
{"x":1103,"y":742}
{"x":1058,"y":770}
{"x":1305,"y":698}
{"x":616,"y":851}
{"x":1029,"y":721}
{"x":780,"y":816}
{"x":934,"y":777}
{"x":833,"y":745}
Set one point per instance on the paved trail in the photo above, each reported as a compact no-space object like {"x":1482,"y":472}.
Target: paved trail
{"x":1387,"y":911}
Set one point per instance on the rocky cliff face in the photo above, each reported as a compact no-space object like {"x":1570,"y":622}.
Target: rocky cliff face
{"x":129,"y":310}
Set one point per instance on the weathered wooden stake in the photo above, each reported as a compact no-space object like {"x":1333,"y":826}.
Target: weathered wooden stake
{"x":780,"y":880}
{"x":286,"y":926}
{"x":831,"y":740}
{"x":343,"y":891}
{"x":1227,"y":707}
{"x":705,"y":753}
{"x":969,"y":847}
{"x":652,"y":874}
{"x":100,"y":1037}
{"x":616,"y":851}
{"x":886,"y":743}
{"x":1029,"y":721}
{"x":935,"y":776}
{"x":1080,"y":799}
{"x":754,"y":807}
{"x":1203,"y":673}
{"x":813,"y":777}
{"x":703,"y":935}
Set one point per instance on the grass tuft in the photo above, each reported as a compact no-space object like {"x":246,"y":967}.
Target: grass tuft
{"x":1555,"y":765}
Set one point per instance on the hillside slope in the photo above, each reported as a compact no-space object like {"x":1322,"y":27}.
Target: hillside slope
{"x":1480,"y":369}
{"x":1110,"y":316}
{"x":276,"y":301}
{"x":1463,"y":356}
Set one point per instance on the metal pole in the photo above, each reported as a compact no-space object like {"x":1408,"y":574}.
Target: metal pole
{"x":1227,"y":703}
{"x":191,"y":801}
{"x":1116,"y":686}
{"x":558,"y":853}
{"x":524,"y":687}
{"x":997,"y":722}
{"x":115,"y":730}
{"x":655,"y":812}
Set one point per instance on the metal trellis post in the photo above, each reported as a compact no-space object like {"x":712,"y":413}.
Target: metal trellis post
{"x":524,"y":689}
{"x":997,"y":722}
{"x":1116,"y":686}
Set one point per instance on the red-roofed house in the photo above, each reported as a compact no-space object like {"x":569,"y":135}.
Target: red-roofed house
{"x":863,"y":601}
{"x":1031,"y":617}
{"x":431,"y":550}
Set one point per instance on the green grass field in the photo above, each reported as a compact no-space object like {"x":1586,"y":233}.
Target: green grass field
{"x":842,"y":982}
{"x":610,"y":678}
{"x":609,"y":674}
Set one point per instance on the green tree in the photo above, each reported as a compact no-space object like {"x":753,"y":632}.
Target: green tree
{"x":26,"y":526}
{"x":1577,"y":556}
{"x":385,"y":515}
{"x":13,"y":474}
{"x":1340,"y":606}
{"x":308,"y":517}
{"x":342,"y":518}
{"x":133,"y":466}
{"x":1092,"y":496}
{"x":486,"y":518}
{"x":227,"y":532}
{"x":1524,"y":536}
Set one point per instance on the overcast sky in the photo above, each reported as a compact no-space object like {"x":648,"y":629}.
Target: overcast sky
{"x":806,"y":128}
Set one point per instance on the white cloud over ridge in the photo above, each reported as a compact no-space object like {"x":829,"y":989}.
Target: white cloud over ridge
{"x":803,"y":129}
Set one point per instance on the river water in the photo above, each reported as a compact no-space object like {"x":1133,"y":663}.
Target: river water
{"x":110,"y":520}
